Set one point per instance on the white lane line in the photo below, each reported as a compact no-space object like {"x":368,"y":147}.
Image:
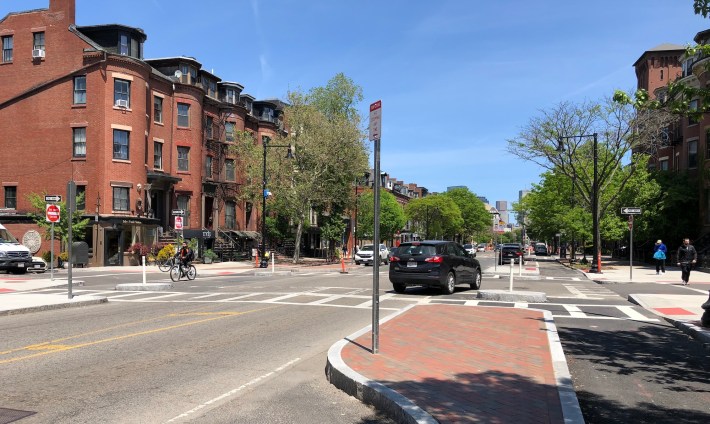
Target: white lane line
{"x":148,"y":299}
{"x":240,"y":297}
{"x":327,"y":299}
{"x":471,"y":303}
{"x":132,"y":294}
{"x":207,"y":295}
{"x":633,"y":314}
{"x":234,"y":391}
{"x":575,"y":311}
{"x":520,"y":305}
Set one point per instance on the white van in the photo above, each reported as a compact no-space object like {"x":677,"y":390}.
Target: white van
{"x":14,"y":257}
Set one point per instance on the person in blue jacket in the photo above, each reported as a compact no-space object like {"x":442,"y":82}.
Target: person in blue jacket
{"x":659,"y":254}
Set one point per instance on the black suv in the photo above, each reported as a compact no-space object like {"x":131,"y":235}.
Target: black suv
{"x":511,"y":252}
{"x":433,"y":263}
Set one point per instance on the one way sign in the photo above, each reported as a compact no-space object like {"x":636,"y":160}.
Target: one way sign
{"x":631,"y":211}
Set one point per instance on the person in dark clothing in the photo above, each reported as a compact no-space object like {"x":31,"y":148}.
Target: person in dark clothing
{"x":659,"y":254}
{"x":687,"y":256}
{"x":185,"y":255}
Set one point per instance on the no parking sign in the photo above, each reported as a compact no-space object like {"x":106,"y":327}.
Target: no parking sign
{"x":178,"y":223}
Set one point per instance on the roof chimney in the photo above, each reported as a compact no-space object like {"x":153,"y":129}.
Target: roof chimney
{"x":67,"y":8}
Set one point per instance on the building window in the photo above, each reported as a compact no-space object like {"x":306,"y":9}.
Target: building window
{"x":38,"y":43}
{"x":209,"y":123}
{"x":7,"y":49}
{"x":231,"y":96}
{"x":692,"y":118}
{"x":120,"y":144}
{"x":183,"y":202}
{"x":124,"y":45}
{"x":663,"y":164}
{"x":692,"y":154}
{"x":183,"y":158}
{"x":183,"y":115}
{"x":158,"y":109}
{"x":208,"y":167}
{"x":230,"y":215}
{"x":229,"y":130}
{"x":229,"y":169}
{"x":11,"y":197}
{"x":80,"y":90}
{"x":79,"y":142}
{"x":120,"y":199}
{"x":81,"y":197}
{"x":122,"y":92}
{"x":157,"y":155}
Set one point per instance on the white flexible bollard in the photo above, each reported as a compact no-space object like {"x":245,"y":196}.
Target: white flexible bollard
{"x":273,"y":262}
{"x":511,"y":274}
{"x":143,"y":258}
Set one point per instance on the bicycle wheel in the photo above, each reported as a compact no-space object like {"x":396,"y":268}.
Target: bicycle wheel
{"x":191,"y":272}
{"x":175,"y":273}
{"x":165,"y":265}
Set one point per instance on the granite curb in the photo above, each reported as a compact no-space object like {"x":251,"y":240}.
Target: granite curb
{"x":67,"y":303}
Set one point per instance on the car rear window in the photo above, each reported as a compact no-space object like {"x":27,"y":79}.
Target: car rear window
{"x":417,"y":249}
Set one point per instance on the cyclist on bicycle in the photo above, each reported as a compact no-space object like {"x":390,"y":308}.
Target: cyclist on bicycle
{"x":185,"y":255}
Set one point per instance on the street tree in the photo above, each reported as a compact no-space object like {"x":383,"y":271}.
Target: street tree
{"x":435,"y":216}
{"x":473,"y":212}
{"x":329,"y":149}
{"x":561,"y":140}
{"x":392,"y":217}
{"x":61,"y":228}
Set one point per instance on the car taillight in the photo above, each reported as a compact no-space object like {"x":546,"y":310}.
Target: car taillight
{"x":435,"y":259}
{"x":519,"y":253}
{"x":394,"y":259}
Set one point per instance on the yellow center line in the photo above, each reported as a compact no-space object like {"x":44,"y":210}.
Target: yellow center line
{"x":102,"y":330}
{"x":54,"y":348}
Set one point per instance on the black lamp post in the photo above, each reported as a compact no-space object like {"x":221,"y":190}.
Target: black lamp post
{"x":595,"y":199}
{"x":289,"y":155}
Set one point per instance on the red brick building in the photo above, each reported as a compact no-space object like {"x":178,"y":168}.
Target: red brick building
{"x":138,"y":137}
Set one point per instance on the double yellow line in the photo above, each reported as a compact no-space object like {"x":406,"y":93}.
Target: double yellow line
{"x":54,"y":346}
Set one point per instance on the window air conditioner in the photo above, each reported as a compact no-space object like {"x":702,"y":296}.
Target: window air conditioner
{"x":37,"y":53}
{"x":122,"y":103}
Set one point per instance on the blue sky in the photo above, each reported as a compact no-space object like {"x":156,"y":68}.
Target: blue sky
{"x":456,"y":77}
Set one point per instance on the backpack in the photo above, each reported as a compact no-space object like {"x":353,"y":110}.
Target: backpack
{"x":190,"y":255}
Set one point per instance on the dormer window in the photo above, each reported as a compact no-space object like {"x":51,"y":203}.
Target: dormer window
{"x":231,"y":96}
{"x":124,"y":45}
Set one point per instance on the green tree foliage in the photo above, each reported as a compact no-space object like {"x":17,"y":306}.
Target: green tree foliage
{"x":392,"y":217}
{"x":435,"y":216}
{"x":61,"y":228}
{"x":701,"y":7}
{"x":473,"y":212}
{"x":330,"y":152}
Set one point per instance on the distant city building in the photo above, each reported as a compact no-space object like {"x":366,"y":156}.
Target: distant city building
{"x":483,"y":199}
{"x":455,"y":187}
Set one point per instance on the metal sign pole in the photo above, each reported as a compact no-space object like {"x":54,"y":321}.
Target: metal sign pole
{"x":51,"y":249}
{"x":71,"y":201}
{"x":376,"y":256}
{"x":631,"y":247}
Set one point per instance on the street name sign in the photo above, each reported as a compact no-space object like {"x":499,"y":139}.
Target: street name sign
{"x":178,"y":212}
{"x":52,"y":198}
{"x":631,"y":211}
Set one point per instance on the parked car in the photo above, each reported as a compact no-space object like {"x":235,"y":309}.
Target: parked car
{"x":365,"y":253}
{"x":37,"y":265}
{"x":481,"y":247}
{"x":470,"y":248}
{"x":433,"y":263}
{"x":511,"y":252}
{"x":541,"y":249}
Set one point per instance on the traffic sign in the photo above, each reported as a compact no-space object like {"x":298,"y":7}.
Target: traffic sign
{"x":631,"y":211}
{"x":52,"y":213}
{"x":375,"y":120}
{"x":178,"y":212}
{"x":178,"y":223}
{"x":52,"y":198}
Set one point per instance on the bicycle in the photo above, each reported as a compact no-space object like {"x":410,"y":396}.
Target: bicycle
{"x":178,"y":270}
{"x":166,"y":264}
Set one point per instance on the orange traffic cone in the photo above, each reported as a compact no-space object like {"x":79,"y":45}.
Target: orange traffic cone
{"x":342,"y":266}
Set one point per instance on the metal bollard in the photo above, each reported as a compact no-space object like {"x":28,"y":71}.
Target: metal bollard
{"x":705,"y":319}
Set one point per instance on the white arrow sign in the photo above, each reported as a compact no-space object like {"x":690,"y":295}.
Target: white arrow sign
{"x":631,"y":211}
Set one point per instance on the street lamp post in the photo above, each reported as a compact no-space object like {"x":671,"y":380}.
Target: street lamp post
{"x":289,"y":155}
{"x":595,"y":199}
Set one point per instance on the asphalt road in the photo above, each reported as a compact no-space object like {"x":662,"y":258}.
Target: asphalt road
{"x":252,"y":349}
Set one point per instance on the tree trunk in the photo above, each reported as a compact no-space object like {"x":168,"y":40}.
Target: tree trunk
{"x":297,"y":244}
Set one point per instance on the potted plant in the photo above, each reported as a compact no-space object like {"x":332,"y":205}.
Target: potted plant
{"x":209,"y":256}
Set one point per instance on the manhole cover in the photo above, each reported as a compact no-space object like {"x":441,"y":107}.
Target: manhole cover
{"x":12,"y":415}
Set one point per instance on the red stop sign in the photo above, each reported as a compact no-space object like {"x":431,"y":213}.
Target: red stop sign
{"x":52,"y":213}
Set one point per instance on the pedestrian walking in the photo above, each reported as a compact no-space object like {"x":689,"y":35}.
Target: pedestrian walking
{"x":659,"y":254}
{"x":345,"y":251}
{"x":687,"y":257}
